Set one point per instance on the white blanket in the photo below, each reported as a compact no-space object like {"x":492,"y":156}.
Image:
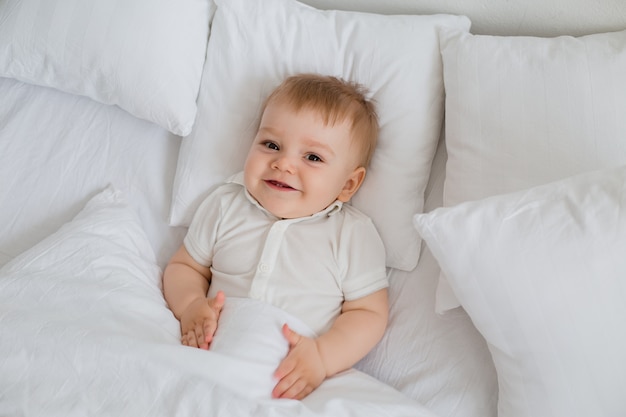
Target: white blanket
{"x":250,"y":339}
{"x":86,"y":331}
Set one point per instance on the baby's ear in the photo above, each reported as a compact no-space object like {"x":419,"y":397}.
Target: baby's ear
{"x":352,"y":184}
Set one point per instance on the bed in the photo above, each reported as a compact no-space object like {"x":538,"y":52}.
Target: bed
{"x":498,"y":187}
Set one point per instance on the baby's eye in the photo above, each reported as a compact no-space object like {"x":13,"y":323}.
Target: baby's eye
{"x":314,"y":158}
{"x":271,"y":145}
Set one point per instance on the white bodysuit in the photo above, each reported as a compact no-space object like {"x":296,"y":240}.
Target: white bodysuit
{"x":307,"y":266}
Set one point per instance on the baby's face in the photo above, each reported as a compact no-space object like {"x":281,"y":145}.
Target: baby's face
{"x":297,"y":165}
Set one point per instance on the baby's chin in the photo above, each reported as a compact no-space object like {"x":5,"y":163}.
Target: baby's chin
{"x":295,"y":214}
{"x":285,"y":213}
{"x":288,"y":209}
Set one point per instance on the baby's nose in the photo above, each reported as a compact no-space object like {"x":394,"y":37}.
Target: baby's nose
{"x":284,"y":163}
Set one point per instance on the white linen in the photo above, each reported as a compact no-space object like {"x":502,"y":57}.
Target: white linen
{"x":254,"y":45}
{"x":542,"y":274}
{"x":73,"y":148}
{"x":249,"y":334}
{"x":69,"y":148}
{"x":144,"y":55}
{"x":524,"y":111}
{"x":57,"y":150}
{"x":90,"y":333}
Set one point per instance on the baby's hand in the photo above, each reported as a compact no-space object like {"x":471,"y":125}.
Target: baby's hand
{"x":302,"y":371}
{"x":198,"y":322}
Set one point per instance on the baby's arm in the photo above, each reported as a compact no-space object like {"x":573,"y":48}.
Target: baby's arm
{"x":358,"y":328}
{"x":185,"y":285}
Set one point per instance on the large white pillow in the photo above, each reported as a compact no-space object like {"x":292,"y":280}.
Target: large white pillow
{"x":145,"y":56}
{"x":254,"y":45}
{"x":523,"y":111}
{"x":542,"y":274}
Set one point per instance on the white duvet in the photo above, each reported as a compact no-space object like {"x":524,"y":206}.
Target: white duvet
{"x":86,"y":331}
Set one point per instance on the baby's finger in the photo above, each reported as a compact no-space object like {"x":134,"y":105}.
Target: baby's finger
{"x":285,"y":367}
{"x":210,"y":326}
{"x":190,"y":339}
{"x":200,"y":337}
{"x":218,"y":302}
{"x":297,"y":391}
{"x":288,"y":387}
{"x":282,"y":386}
{"x":292,"y":337}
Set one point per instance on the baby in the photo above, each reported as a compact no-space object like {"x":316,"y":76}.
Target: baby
{"x":280,"y":232}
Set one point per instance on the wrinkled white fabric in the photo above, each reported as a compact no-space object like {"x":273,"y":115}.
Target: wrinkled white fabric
{"x":86,"y":331}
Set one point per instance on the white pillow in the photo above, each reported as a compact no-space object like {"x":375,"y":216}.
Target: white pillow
{"x":255,"y":45}
{"x":542,"y":274}
{"x":145,"y":56}
{"x":523,"y":111}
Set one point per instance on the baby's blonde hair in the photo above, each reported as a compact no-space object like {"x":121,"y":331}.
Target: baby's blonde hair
{"x":337,"y":100}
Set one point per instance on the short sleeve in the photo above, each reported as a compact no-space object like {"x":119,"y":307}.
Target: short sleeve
{"x":363,"y":260}
{"x":202,"y":233}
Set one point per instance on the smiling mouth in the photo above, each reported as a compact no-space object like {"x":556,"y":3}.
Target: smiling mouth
{"x":279,"y":185}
